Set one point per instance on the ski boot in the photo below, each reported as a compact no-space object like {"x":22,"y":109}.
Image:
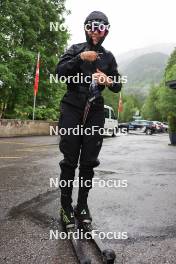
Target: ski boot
{"x":67,"y":217}
{"x":83,"y":215}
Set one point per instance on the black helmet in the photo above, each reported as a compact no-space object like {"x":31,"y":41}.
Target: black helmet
{"x":97,"y":17}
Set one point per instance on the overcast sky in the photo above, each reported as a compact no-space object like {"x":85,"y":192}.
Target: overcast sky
{"x":134,"y":23}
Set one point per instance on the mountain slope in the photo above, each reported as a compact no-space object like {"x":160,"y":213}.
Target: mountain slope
{"x":125,"y":58}
{"x":144,"y":71}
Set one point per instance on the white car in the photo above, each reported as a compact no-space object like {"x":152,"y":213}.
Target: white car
{"x":111,"y":123}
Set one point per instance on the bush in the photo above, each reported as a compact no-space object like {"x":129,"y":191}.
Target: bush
{"x":172,"y":122}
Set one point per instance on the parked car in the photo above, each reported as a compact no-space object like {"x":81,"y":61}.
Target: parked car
{"x":159,"y":126}
{"x":165,"y":126}
{"x":123,"y":125}
{"x":144,"y":126}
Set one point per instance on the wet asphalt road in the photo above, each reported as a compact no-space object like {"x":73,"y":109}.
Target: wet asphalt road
{"x":145,"y":209}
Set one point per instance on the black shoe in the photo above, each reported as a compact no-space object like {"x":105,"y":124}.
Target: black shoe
{"x":83,"y":215}
{"x":67,"y":217}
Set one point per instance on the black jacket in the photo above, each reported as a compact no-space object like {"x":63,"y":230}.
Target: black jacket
{"x":71,"y":64}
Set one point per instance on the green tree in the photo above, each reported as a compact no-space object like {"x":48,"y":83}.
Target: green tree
{"x":167,"y":96}
{"x":25,"y":31}
{"x":111,"y":99}
{"x":161,"y":99}
{"x":150,"y":109}
{"x":166,"y":101}
{"x":170,"y":71}
{"x":130,"y":106}
{"x":131,"y":103}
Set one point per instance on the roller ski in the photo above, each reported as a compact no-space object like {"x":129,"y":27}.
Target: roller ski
{"x":84,"y":219}
{"x":68,"y":223}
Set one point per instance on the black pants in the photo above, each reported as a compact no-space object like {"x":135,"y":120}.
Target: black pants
{"x":79,"y":148}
